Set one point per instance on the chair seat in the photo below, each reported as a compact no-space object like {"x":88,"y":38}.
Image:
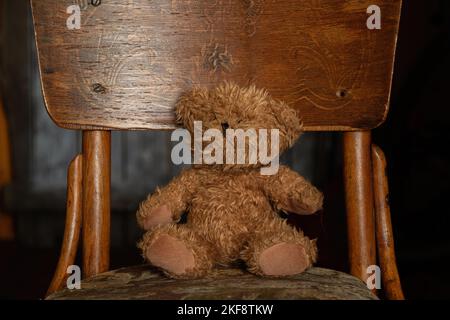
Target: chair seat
{"x":144,"y":282}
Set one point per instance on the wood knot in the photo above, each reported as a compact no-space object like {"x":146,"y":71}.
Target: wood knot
{"x":254,"y":8}
{"x":217,"y":58}
{"x":98,"y":88}
{"x":342,"y":93}
{"x":84,"y":4}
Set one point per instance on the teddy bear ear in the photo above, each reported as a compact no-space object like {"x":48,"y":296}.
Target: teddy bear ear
{"x":289,"y":121}
{"x":192,"y":106}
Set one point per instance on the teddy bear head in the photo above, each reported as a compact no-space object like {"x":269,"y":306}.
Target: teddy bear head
{"x":231,"y":107}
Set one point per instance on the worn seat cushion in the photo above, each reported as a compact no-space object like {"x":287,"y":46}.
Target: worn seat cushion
{"x":144,"y":282}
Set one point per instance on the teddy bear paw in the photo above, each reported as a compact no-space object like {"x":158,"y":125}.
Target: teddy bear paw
{"x":159,"y":216}
{"x":171,"y":255}
{"x":283,"y":259}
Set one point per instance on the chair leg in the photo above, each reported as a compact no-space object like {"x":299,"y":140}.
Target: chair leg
{"x":385,"y":240}
{"x":359,"y":202}
{"x":96,"y":201}
{"x":73,"y":224}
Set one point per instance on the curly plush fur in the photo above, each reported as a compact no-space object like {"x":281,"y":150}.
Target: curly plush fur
{"x":233,"y":210}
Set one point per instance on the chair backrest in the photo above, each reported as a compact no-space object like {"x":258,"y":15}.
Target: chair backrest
{"x":129,"y":61}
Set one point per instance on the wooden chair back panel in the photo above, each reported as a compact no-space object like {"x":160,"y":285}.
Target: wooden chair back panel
{"x":131,"y":59}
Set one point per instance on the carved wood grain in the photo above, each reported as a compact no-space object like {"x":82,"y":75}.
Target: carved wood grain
{"x":127,"y":65}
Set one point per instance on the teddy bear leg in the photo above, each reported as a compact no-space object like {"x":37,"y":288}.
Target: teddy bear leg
{"x":178,"y":251}
{"x":279,"y":250}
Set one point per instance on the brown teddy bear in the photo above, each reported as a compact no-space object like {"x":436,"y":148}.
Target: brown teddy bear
{"x":232,"y":209}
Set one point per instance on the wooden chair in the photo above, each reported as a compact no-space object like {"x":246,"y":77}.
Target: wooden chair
{"x":6,"y":220}
{"x":131,"y":59}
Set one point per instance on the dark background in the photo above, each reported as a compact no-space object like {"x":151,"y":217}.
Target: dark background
{"x":415,"y":139}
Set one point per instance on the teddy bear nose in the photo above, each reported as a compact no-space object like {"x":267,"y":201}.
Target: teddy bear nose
{"x":225,"y":126}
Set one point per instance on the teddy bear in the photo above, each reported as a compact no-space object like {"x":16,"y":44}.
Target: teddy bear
{"x":234,"y":213}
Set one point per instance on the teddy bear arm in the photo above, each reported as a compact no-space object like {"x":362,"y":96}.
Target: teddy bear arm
{"x":167,"y":204}
{"x":292,"y":193}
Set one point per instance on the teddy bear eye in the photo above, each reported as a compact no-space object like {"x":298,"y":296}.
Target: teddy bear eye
{"x":225,"y":126}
